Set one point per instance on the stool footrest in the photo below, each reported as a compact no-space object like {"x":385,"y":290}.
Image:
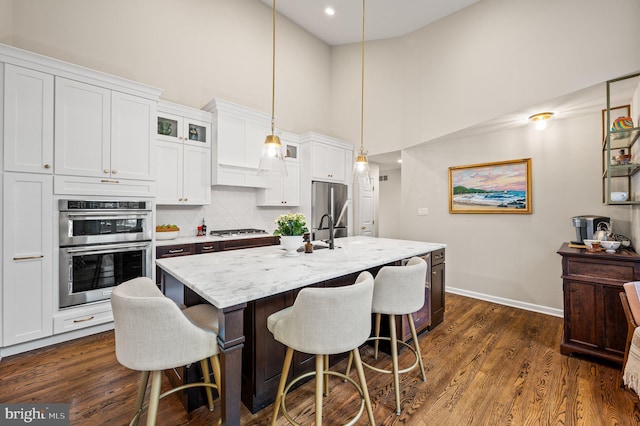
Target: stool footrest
{"x":405,"y":370}
{"x":135,"y":419}
{"x":313,"y":373}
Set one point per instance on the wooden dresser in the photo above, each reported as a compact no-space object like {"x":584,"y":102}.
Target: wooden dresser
{"x":594,"y":322}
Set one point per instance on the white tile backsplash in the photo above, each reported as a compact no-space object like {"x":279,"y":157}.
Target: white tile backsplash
{"x":231,"y":208}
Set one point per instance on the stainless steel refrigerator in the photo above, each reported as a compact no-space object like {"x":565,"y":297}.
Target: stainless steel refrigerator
{"x":329,"y":198}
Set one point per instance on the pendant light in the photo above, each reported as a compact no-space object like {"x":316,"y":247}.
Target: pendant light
{"x":361,"y":166}
{"x":272,"y":161}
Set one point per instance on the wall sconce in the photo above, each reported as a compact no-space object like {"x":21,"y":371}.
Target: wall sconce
{"x":541,"y":120}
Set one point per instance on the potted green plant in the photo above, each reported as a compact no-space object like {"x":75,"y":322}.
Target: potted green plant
{"x":291,"y":227}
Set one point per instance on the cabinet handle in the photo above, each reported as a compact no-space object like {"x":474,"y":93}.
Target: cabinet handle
{"x":109,"y":181}
{"x":186,"y":199}
{"x":174,"y":251}
{"x":28,"y":257}
{"x":179,"y":199}
{"x":434,"y":273}
{"x":106,"y":171}
{"x":207,"y":247}
{"x":113,"y":172}
{"x":47,"y":166}
{"x":84,"y":319}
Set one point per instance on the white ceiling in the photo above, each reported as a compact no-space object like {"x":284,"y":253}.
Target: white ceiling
{"x":383,"y":18}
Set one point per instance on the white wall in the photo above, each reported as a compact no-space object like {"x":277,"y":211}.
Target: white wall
{"x":511,"y":256}
{"x":390,"y":206}
{"x":485,"y":61}
{"x":6,"y":21}
{"x":193,"y":49}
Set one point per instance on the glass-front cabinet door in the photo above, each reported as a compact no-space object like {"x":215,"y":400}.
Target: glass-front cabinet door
{"x":175,"y":128}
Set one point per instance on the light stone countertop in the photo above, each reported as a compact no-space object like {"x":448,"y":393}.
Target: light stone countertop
{"x":228,"y":278}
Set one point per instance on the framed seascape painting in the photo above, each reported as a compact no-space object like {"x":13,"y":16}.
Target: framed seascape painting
{"x":501,"y":187}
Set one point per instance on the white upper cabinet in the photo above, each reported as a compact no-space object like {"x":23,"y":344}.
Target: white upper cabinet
{"x":329,"y":158}
{"x":28,"y":120}
{"x":184,"y":157}
{"x":102,"y":133}
{"x":284,"y":191}
{"x":238,"y":137}
{"x":82,"y":129}
{"x":183,"y":125}
{"x":132,"y":132}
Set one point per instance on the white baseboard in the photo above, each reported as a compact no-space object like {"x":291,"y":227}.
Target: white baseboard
{"x":508,"y":302}
{"x":52,"y":340}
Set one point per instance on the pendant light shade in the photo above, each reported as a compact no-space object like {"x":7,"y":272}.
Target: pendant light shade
{"x":272,"y":160}
{"x":361,"y":166}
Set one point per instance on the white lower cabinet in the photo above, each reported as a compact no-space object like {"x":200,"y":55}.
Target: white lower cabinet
{"x":82,"y":317}
{"x":27,"y":272}
{"x":184,"y":174}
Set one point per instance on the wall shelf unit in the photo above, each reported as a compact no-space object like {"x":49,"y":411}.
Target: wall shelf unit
{"x":620,"y":154}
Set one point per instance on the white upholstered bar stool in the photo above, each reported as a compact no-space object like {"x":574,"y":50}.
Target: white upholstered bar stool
{"x":398,"y":290}
{"x":325,"y":321}
{"x":153,"y":334}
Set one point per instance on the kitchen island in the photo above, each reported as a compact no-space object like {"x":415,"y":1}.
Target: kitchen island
{"x":232,"y":280}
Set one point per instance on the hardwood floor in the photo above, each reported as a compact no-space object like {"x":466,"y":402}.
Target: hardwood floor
{"x":486,"y":364}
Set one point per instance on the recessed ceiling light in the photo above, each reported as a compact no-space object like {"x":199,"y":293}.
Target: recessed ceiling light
{"x":329,"y":11}
{"x":400,"y":160}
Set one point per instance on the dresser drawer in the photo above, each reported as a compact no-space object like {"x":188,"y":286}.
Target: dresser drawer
{"x":609,"y":270}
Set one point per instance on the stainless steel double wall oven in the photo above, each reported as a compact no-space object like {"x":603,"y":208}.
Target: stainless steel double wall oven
{"x":102,"y":244}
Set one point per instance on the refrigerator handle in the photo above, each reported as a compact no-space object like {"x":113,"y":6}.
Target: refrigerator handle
{"x":344,"y":209}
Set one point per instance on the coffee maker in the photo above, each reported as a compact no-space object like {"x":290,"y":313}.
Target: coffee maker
{"x":586,"y":226}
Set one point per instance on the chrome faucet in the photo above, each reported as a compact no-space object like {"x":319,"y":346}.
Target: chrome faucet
{"x":328,"y":216}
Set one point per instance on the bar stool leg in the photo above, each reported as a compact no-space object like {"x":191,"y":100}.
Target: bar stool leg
{"x":154,"y":397}
{"x":142,"y":389}
{"x":319,"y":377}
{"x":363,"y":384}
{"x":283,"y":381}
{"x":215,"y":365}
{"x":349,"y":361}
{"x":326,"y":376}
{"x":207,"y":379}
{"x":394,"y":358}
{"x":377,"y":332}
{"x":417,"y":345}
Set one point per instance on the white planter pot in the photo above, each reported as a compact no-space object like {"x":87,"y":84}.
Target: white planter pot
{"x":291,"y":243}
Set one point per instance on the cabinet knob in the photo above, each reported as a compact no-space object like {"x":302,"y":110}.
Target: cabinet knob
{"x":113,"y":172}
{"x":106,"y":171}
{"x":179,"y":199}
{"x":186,"y":199}
{"x":47,"y":166}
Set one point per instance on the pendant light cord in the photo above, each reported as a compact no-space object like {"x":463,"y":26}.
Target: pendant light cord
{"x":362,"y":95}
{"x":273,"y":72}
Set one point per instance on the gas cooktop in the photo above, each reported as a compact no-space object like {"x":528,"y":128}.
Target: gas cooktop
{"x":237,"y":232}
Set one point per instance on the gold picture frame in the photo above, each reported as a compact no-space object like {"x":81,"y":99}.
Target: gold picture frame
{"x":499,"y":187}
